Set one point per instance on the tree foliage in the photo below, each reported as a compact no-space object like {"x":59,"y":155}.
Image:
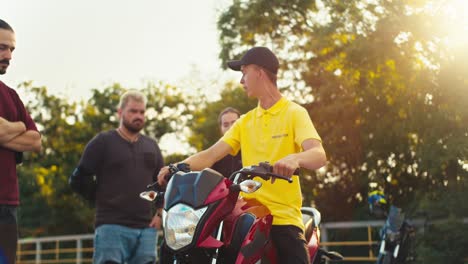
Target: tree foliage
{"x":204,"y":125}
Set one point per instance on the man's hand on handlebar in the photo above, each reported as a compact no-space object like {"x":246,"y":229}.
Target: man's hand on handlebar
{"x":166,"y":172}
{"x":162,"y":176}
{"x":286,"y":166}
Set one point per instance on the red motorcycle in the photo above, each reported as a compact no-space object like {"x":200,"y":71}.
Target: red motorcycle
{"x":205,"y":220}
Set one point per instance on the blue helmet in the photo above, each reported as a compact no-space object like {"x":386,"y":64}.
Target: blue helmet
{"x":377,"y":203}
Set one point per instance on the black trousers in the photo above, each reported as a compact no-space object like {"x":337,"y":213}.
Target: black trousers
{"x":290,"y":244}
{"x":8,"y":234}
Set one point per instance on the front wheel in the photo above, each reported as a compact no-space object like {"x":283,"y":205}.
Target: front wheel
{"x":165,"y":256}
{"x":388,"y":259}
{"x":385,"y":258}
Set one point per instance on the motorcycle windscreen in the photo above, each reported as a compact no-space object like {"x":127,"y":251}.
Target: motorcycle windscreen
{"x":395,"y":219}
{"x":191,"y":188}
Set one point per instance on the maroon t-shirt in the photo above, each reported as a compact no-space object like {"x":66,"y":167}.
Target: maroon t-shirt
{"x":11,"y":109}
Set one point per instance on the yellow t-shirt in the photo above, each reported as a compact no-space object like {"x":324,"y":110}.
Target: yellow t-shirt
{"x":270,"y":135}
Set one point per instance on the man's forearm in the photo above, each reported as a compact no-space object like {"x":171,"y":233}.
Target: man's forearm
{"x":10,"y":130}
{"x":199,"y":161}
{"x":27,"y":141}
{"x":312,"y":159}
{"x":206,"y":158}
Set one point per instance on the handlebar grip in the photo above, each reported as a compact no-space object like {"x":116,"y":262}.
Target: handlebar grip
{"x":281,"y":177}
{"x":269,"y":167}
{"x":174,"y":168}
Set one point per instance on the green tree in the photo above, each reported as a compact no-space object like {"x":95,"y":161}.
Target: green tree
{"x":46,"y":197}
{"x":204,"y":125}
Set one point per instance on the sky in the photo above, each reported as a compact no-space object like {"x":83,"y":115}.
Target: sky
{"x":73,"y":46}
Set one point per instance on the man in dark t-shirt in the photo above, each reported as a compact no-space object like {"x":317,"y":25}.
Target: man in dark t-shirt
{"x":18,"y":133}
{"x":227,"y":165}
{"x":123,"y":162}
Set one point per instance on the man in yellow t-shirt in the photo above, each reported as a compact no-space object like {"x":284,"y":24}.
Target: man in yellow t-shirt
{"x":280,"y":132}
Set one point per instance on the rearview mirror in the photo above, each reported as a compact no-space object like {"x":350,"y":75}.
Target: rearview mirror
{"x":150,"y":195}
{"x":250,"y":186}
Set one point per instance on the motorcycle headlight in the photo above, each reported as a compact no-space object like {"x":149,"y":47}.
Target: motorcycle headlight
{"x":180,"y":223}
{"x":393,"y":236}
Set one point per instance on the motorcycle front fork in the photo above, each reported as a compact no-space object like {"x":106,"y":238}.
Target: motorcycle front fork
{"x":383,"y":252}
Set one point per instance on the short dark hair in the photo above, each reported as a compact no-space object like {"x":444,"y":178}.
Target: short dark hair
{"x":271,"y":76}
{"x":228,"y":110}
{"x":5,"y":25}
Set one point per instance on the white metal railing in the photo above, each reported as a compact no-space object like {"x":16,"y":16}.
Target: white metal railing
{"x":79,"y":248}
{"x":51,"y":249}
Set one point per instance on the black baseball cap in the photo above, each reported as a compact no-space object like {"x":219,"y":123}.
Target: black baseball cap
{"x":260,"y":56}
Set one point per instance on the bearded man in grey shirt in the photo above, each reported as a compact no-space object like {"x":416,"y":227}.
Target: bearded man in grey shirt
{"x":115,"y":167}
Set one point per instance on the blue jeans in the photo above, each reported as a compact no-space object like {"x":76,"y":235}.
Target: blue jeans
{"x":8,"y":234}
{"x":120,"y":244}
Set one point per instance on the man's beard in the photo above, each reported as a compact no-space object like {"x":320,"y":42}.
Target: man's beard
{"x":132,"y":126}
{"x":4,"y":68}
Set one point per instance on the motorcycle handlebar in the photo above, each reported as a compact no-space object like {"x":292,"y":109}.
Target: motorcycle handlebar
{"x":174,"y":168}
{"x":263,"y":170}
{"x":155,"y":185}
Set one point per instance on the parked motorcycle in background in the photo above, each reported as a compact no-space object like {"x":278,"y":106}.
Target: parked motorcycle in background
{"x":396,"y":236}
{"x":206,"y":221}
